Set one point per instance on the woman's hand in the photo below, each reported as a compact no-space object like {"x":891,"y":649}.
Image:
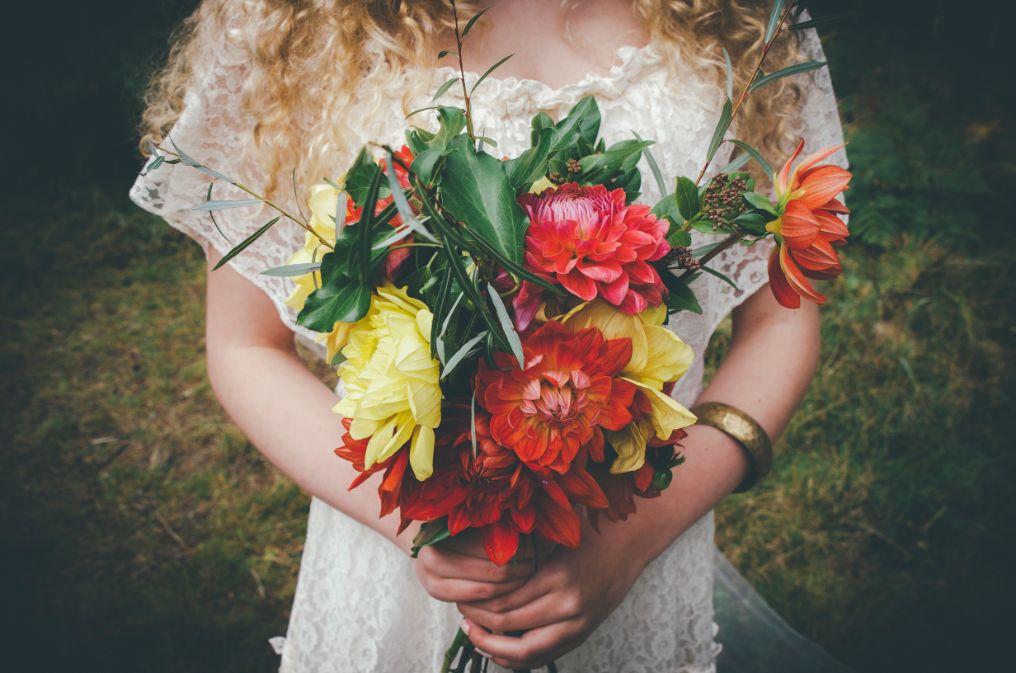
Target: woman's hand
{"x":457,"y":570}
{"x":570,"y":594}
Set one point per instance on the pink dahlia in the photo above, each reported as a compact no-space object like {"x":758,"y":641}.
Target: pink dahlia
{"x":594,"y":245}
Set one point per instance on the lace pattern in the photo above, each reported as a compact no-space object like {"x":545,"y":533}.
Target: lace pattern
{"x":358,"y":606}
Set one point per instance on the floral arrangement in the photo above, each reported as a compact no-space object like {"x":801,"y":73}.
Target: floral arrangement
{"x":498,"y":324}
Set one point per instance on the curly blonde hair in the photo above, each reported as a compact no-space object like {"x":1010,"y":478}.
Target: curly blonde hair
{"x":292,"y":47}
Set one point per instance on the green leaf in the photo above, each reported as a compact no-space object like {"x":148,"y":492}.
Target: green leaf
{"x":405,"y":211}
{"x":360,"y":177}
{"x":427,"y":164}
{"x":678,"y":239}
{"x":774,"y":19}
{"x":483,"y":198}
{"x":441,"y":90}
{"x":687,"y":194}
{"x":680,"y":297}
{"x":462,"y":353}
{"x":759,"y":201}
{"x":541,"y":120}
{"x":666,"y":208}
{"x":227,"y":204}
{"x":755,"y":154}
{"x":444,"y":52}
{"x":531,"y":165}
{"x":753,"y":222}
{"x":506,"y":325}
{"x":430,"y":533}
{"x":582,"y":121}
{"x":452,"y":122}
{"x":617,"y":160}
{"x":469,"y":24}
{"x":725,"y":279}
{"x":705,"y":249}
{"x":439,"y":339}
{"x":730,"y":73}
{"x":785,"y":72}
{"x":487,"y":72}
{"x":290,"y":270}
{"x":339,"y":299}
{"x":661,"y":184}
{"x":365,"y":226}
{"x":187,"y":160}
{"x":721,"y":129}
{"x":240,"y":247}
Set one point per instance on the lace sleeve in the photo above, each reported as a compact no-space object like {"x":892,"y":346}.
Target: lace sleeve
{"x":212,"y":130}
{"x":819,"y":125}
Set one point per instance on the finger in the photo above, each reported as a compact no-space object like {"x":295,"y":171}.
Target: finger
{"x":532,"y":649}
{"x":542,"y":583}
{"x":543,"y":611}
{"x":454,"y":565}
{"x":464,"y":591}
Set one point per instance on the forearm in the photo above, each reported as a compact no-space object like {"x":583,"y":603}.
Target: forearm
{"x":772,"y":358}
{"x":282,"y":408}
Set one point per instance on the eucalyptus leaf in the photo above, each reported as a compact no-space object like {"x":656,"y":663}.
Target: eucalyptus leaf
{"x":240,"y":247}
{"x":735,"y":163}
{"x":441,"y":90}
{"x":469,"y":24}
{"x":730,"y":73}
{"x":462,"y":353}
{"x":187,"y":160}
{"x":227,"y":204}
{"x":717,"y":274}
{"x":487,"y":73}
{"x":774,"y":19}
{"x":444,"y":328}
{"x":755,"y":154}
{"x":506,"y":325}
{"x":721,"y":129}
{"x":806,"y":66}
{"x":661,"y":184}
{"x":291,"y":270}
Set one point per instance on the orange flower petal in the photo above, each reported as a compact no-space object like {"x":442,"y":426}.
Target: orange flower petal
{"x":784,"y":294}
{"x":819,"y":256}
{"x":822,"y":184}
{"x":796,"y":278}
{"x":783,"y":178}
{"x":798,"y":225}
{"x":809,"y":162}
{"x":831,"y":227}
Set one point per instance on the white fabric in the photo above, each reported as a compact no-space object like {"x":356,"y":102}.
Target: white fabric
{"x":358,"y":606}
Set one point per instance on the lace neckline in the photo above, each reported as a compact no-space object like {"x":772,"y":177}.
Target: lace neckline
{"x":630,"y":63}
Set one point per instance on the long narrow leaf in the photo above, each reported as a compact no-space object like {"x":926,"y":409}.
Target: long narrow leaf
{"x":187,"y":160}
{"x":226,"y":204}
{"x":774,"y":19}
{"x":444,"y":328}
{"x":725,"y":279}
{"x":441,"y":90}
{"x":211,"y":215}
{"x":730,"y":74}
{"x":506,"y":325}
{"x":469,"y":24}
{"x":755,"y":154}
{"x":366,"y":223}
{"x":246,"y":242}
{"x":721,"y":129}
{"x":461,"y":353}
{"x":405,"y":211}
{"x":488,"y":71}
{"x":439,"y":306}
{"x":736,"y":163}
{"x":653,"y":166}
{"x":785,"y":72}
{"x":290,"y":270}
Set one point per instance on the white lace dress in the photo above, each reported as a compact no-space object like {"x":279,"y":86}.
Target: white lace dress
{"x":358,"y":606}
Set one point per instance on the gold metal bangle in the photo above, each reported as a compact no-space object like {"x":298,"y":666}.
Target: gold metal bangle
{"x":746,"y":431}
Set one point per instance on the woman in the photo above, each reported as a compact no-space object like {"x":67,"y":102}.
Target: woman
{"x":260,"y":87}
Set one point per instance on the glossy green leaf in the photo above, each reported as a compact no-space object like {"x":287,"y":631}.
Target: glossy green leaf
{"x":240,"y":247}
{"x":469,"y":24}
{"x":807,"y":66}
{"x":582,"y":121}
{"x":339,"y":299}
{"x":452,"y":122}
{"x":531,"y":165}
{"x":687,"y":194}
{"x":483,"y":198}
{"x":753,"y":222}
{"x":759,"y":201}
{"x":360,"y":177}
{"x":399,"y":197}
{"x":679,"y":297}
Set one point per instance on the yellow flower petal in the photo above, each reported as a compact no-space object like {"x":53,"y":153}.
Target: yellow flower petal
{"x":421,"y":452}
{"x":667,"y":415}
{"x":630,"y":445}
{"x":667,"y":358}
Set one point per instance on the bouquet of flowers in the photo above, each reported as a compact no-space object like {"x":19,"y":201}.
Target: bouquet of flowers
{"x":498,"y":324}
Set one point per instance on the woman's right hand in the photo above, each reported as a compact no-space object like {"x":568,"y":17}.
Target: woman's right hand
{"x":457,"y":570}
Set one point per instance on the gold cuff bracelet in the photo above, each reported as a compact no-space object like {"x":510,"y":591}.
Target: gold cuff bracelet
{"x":746,"y":431}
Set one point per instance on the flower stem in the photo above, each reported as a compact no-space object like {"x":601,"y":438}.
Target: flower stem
{"x":754,"y":73}
{"x":706,"y":258}
{"x":462,"y":74}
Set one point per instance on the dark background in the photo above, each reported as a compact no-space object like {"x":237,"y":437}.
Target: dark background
{"x":140,"y":532}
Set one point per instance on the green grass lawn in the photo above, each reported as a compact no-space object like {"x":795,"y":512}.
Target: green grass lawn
{"x":142,"y":532}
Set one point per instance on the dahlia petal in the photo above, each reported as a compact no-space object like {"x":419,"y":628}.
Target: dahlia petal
{"x":835,"y":206}
{"x":500,"y":541}
{"x":421,"y":452}
{"x":782,"y":291}
{"x":798,"y":225}
{"x":796,"y":279}
{"x":604,"y":273}
{"x":831,"y":227}
{"x":783,"y":178}
{"x":579,"y":285}
{"x":630,"y":445}
{"x":556,"y":520}
{"x":615,"y":292}
{"x":822,"y":184}
{"x":583,"y":489}
{"x":820,"y":256}
{"x":811,"y":160}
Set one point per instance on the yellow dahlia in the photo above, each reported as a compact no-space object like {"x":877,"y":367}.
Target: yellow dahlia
{"x":392,"y":384}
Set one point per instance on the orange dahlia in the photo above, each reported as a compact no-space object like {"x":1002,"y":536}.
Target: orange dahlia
{"x":808,"y":226}
{"x":493,"y":491}
{"x":560,"y":402}
{"x":594,"y":245}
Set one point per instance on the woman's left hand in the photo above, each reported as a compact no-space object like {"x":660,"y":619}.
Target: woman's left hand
{"x":570,"y":594}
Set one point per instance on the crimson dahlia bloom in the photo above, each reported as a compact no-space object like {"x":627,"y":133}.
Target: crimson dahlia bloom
{"x":594,"y":245}
{"x":808,"y":228}
{"x":568,"y":392}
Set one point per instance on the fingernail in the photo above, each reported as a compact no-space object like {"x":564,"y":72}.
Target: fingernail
{"x":482,"y":653}
{"x":465,"y":627}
